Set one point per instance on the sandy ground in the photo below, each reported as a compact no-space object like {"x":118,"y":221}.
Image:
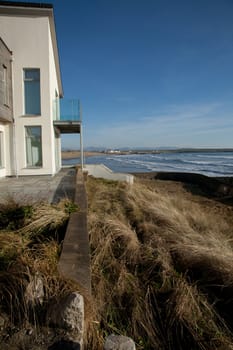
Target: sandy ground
{"x":76,"y":154}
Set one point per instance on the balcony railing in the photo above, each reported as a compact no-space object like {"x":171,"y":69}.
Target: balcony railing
{"x":67,"y":110}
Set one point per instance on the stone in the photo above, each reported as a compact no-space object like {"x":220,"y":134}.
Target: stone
{"x":119,"y":342}
{"x":68,"y":314}
{"x":34,"y":293}
{"x":3,"y":321}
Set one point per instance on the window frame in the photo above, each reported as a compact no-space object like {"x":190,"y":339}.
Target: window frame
{"x":5,"y":86}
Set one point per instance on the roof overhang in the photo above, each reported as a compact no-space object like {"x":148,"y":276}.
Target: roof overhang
{"x":36,"y":10}
{"x":67,"y":127}
{"x":4,"y":44}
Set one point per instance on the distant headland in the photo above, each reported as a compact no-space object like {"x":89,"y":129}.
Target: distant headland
{"x":70,"y":154}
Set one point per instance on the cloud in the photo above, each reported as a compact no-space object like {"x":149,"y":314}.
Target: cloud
{"x":176,"y":125}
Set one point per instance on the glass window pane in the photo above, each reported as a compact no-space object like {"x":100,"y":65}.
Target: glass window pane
{"x":32,"y":74}
{"x":32,"y":91}
{"x":33,"y":146}
{"x":4,"y":94}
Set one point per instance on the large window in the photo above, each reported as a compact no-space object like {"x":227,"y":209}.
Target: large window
{"x":4,"y":93}
{"x":33,"y":146}
{"x":32,"y":91}
{"x":5,"y":86}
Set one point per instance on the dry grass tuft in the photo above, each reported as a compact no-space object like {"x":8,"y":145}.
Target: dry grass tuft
{"x":29,"y":247}
{"x":162,"y":268}
{"x":45,"y":217}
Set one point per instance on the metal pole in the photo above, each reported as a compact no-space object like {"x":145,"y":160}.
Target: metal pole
{"x":81,"y":135}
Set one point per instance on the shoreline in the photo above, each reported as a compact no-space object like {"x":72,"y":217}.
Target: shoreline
{"x":184,"y":175}
{"x":76,"y":154}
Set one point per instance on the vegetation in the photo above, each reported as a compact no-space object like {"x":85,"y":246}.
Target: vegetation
{"x":161,"y":263}
{"x":30,"y":238}
{"x":162,"y":268}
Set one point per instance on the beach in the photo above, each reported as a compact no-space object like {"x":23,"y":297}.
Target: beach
{"x":76,"y":154}
{"x":214,"y":163}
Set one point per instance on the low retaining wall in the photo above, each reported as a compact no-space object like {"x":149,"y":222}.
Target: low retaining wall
{"x":74,"y":261}
{"x":101,"y":171}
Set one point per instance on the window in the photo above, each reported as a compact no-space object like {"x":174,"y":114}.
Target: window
{"x":32,"y":91}
{"x":56,"y":105}
{"x":33,"y":146}
{"x":5,"y":86}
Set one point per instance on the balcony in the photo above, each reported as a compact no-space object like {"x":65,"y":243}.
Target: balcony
{"x":67,"y":116}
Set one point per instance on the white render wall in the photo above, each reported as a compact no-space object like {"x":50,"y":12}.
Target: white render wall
{"x":53,"y":83}
{"x":30,"y":41}
{"x":7,"y":150}
{"x":3,"y":151}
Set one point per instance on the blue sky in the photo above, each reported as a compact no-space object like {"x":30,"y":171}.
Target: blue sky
{"x":149,"y":73}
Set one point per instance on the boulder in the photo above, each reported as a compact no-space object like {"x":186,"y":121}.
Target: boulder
{"x":119,"y":342}
{"x":68,"y":314}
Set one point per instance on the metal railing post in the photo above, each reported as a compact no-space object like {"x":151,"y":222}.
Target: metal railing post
{"x":81,"y":134}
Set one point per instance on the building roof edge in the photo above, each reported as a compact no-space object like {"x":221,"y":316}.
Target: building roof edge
{"x":26,"y":4}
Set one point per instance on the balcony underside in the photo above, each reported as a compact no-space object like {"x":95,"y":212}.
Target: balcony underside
{"x":67,"y":127}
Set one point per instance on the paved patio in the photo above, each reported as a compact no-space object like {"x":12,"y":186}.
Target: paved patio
{"x":44,"y":188}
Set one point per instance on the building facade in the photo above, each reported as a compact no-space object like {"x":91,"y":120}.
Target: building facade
{"x":6,"y":110}
{"x":30,"y":89}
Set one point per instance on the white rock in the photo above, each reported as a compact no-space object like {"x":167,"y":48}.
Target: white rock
{"x":119,"y":342}
{"x":69,"y":313}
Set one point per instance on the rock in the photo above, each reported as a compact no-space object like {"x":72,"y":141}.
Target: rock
{"x":3,"y":321}
{"x":119,"y":342}
{"x":69,"y":313}
{"x":34,"y":293}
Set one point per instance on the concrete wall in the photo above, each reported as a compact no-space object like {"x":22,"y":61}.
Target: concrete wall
{"x":30,"y":40}
{"x":54,"y":93}
{"x":2,"y":149}
{"x":101,"y":171}
{"x":6,"y":149}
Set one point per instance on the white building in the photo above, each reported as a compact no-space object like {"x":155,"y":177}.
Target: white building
{"x":30,"y":89}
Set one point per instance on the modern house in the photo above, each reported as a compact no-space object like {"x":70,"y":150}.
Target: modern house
{"x":30,"y":92}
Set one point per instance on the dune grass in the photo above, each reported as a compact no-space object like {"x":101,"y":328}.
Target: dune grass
{"x":161,"y":264}
{"x":30,"y":238}
{"x":162,"y":269}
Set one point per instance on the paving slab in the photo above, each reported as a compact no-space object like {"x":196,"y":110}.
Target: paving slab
{"x":40,"y":188}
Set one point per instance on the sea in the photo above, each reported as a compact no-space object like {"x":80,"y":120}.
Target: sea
{"x":206,"y":163}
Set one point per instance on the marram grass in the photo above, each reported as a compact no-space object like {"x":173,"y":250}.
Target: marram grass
{"x":161,"y":264}
{"x":29,"y":247}
{"x":162,"y":269}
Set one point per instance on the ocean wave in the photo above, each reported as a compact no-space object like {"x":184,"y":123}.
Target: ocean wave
{"x":208,"y":164}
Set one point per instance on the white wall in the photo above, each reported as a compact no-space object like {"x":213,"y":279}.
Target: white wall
{"x":54,"y":90}
{"x":3,"y":146}
{"x":7,"y":150}
{"x":29,"y":39}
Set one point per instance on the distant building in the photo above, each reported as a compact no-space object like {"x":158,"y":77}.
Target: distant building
{"x":30,"y":90}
